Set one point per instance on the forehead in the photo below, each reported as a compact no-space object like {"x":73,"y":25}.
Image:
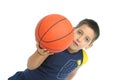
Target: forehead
{"x":88,"y":31}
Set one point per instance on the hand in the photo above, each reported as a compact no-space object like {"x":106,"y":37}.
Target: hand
{"x":43,"y":51}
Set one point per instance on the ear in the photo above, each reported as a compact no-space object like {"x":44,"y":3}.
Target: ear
{"x":89,"y":46}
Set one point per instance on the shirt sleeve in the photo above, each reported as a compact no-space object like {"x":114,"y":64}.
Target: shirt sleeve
{"x":85,"y":57}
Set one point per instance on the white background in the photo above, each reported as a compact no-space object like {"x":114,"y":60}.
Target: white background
{"x":18,"y":19}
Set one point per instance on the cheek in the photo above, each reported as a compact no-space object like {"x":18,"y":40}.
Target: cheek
{"x":75,"y":36}
{"x":84,"y":44}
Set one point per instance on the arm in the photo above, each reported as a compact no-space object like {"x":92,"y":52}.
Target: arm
{"x":36,"y":59}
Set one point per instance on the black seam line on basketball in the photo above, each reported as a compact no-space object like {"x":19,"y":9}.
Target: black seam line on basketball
{"x":50,"y":28}
{"x":59,"y":38}
{"x":50,"y":48}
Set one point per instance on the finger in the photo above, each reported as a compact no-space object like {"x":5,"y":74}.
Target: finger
{"x":37,"y":45}
{"x":51,"y":53}
{"x":47,"y":52}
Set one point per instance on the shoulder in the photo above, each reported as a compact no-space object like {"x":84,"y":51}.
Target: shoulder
{"x":85,"y":56}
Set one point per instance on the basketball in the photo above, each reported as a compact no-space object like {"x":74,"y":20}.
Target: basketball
{"x":54,"y":32}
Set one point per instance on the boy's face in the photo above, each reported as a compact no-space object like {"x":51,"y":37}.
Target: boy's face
{"x":83,"y":37}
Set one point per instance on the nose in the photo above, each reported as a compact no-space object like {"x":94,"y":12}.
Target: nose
{"x":79,"y":39}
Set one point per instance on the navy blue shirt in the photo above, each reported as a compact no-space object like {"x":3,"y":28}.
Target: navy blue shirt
{"x":56,"y":67}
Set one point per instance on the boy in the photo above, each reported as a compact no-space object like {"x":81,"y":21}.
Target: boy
{"x":43,"y":65}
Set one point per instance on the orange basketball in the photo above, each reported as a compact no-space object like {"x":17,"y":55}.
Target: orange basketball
{"x":54,"y":32}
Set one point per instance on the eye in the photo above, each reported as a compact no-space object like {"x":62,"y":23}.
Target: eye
{"x":87,"y":39}
{"x":79,"y":32}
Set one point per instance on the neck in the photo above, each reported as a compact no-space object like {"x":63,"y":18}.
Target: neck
{"x":72,"y":51}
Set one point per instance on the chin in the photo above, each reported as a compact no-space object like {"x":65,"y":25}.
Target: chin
{"x":72,"y":48}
